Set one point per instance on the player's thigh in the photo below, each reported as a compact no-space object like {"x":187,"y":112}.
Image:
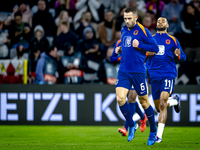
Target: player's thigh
{"x":123,"y":80}
{"x":144,"y":101}
{"x":132,"y":96}
{"x":155,"y":88}
{"x":121,"y":95}
{"x":157,"y":104}
{"x":164,"y":95}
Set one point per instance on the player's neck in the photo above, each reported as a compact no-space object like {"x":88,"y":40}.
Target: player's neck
{"x":162,"y":32}
{"x":132,"y":27}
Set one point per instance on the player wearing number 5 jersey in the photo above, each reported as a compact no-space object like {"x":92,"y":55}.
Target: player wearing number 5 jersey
{"x":136,"y":40}
{"x":162,"y":72}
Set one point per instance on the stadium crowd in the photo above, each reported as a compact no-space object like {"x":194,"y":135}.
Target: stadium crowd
{"x":71,"y":41}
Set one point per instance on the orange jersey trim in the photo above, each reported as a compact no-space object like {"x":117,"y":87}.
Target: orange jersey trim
{"x":118,"y":42}
{"x":119,"y":59}
{"x":172,"y":38}
{"x":142,"y":27}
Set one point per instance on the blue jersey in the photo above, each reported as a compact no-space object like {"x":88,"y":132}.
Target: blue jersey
{"x":162,"y":64}
{"x":116,"y":57}
{"x":132,"y":59}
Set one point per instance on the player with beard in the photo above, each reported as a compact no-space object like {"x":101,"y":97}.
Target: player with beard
{"x":136,"y":40}
{"x":131,"y":99}
{"x":162,"y":72}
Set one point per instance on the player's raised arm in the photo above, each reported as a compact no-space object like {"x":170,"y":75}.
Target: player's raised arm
{"x":149,"y":43}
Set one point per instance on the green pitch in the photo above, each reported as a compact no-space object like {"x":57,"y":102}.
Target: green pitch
{"x":93,"y":137}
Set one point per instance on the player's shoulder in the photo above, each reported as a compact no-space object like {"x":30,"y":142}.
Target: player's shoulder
{"x":123,"y":29}
{"x":172,"y":38}
{"x":143,"y":29}
{"x":118,"y":42}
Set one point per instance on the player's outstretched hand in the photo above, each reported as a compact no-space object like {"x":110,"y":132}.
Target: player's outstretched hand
{"x":118,"y":50}
{"x":135,"y":43}
{"x":177,"y":52}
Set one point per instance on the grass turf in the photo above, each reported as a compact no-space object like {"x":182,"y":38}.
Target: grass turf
{"x":92,"y":137}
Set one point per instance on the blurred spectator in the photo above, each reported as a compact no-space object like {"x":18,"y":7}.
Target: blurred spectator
{"x":87,"y":5}
{"x":38,"y":42}
{"x":156,"y":6}
{"x":92,"y":53}
{"x":25,"y":10}
{"x":191,"y":19}
{"x":46,"y":67}
{"x":66,"y":35}
{"x":187,"y":12}
{"x":32,"y":64}
{"x":147,"y":22}
{"x":107,"y":72}
{"x":44,"y":18}
{"x":113,"y":5}
{"x":19,"y":32}
{"x":196,"y":4}
{"x":86,"y":21}
{"x":71,"y":66}
{"x":7,"y":5}
{"x":117,"y":37}
{"x":134,"y":4}
{"x":68,"y":5}
{"x":106,"y":29}
{"x":20,"y":52}
{"x":153,"y":18}
{"x":172,"y":11}
{"x":120,"y":19}
{"x":63,"y":16}
{"x":4,"y":51}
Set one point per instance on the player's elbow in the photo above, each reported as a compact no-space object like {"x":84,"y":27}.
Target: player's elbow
{"x":111,"y":59}
{"x":156,"y":48}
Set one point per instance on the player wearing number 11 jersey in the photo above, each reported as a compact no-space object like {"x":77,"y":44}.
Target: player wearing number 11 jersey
{"x":162,"y":72}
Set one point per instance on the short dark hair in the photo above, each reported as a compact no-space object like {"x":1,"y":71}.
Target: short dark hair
{"x":51,"y":48}
{"x":18,"y":13}
{"x":42,"y":0}
{"x":131,"y":9}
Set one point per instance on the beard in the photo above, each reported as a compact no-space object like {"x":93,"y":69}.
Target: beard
{"x":161,"y":29}
{"x":131,"y":26}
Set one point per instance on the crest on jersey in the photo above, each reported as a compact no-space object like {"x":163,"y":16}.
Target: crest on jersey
{"x":135,"y":32}
{"x":127,"y":41}
{"x":167,"y":41}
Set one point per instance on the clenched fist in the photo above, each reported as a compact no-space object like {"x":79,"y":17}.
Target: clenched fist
{"x":135,"y":43}
{"x":177,"y":52}
{"x":118,"y":50}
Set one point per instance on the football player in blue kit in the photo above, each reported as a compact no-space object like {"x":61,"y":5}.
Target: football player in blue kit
{"x":136,"y":40}
{"x":162,"y":72}
{"x":131,"y":99}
